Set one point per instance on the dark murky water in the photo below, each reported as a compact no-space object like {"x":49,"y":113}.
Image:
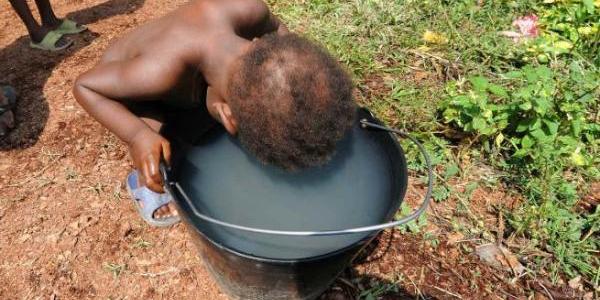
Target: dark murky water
{"x":356,"y":188}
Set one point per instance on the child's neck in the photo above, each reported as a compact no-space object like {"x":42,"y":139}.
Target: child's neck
{"x":222,"y":62}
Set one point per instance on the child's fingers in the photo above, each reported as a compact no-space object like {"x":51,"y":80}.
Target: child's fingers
{"x":166,"y":151}
{"x":152,"y":175}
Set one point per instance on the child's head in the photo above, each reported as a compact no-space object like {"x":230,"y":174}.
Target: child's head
{"x":291,"y":101}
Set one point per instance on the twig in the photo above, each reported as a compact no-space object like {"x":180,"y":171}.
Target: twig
{"x":507,"y":294}
{"x":546,"y":290}
{"x":417,"y":290}
{"x":500,"y":232}
{"x":348,"y":283}
{"x":38,"y":173}
{"x":467,"y":240}
{"x":444,"y":61}
{"x":445,"y":291}
{"x":159,"y":273}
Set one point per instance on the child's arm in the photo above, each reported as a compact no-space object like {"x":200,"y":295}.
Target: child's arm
{"x":98,"y":91}
{"x":254,"y":19}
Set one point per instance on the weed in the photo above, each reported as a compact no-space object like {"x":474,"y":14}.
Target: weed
{"x":571,"y":28}
{"x":141,"y":243}
{"x":538,"y":125}
{"x":115,"y":269}
{"x":542,"y":123}
{"x":378,"y":289}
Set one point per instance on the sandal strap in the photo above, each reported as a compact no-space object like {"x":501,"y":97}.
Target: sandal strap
{"x":151,"y":200}
{"x":49,"y":40}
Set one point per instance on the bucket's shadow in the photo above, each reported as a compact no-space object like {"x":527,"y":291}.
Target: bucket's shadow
{"x":353,"y":285}
{"x":28,"y":71}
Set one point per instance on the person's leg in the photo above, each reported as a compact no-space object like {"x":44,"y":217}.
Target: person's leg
{"x":36,"y":32}
{"x":49,"y":19}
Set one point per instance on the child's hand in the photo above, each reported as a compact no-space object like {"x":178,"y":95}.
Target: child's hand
{"x":147,"y":148}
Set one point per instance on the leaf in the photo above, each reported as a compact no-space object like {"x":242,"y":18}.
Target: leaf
{"x":552,"y":126}
{"x":578,"y":159}
{"x":525,"y":106}
{"x":502,"y":124}
{"x":479,"y":123}
{"x":479,"y":83}
{"x":530,"y":74}
{"x":499,"y":139}
{"x":589,"y":4}
{"x":521,"y":153}
{"x":440,"y":193}
{"x":451,"y":170}
{"x":576,"y":127}
{"x":498,"y":90}
{"x":434,"y":37}
{"x":544,"y":72}
{"x":470,"y":188}
{"x":535,"y":124}
{"x":450,"y":115}
{"x":541,"y":105}
{"x":527,"y":142}
{"x":539,"y":135}
{"x":524,"y":125}
{"x":513,"y":75}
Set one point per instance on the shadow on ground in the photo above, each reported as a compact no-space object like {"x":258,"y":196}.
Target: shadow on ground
{"x":28,"y":71}
{"x":353,"y":285}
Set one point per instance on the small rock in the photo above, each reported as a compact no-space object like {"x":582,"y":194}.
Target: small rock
{"x":126,"y":229}
{"x":53,"y":238}
{"x":575,"y":283}
{"x":143,"y":262}
{"x":454,"y":237}
{"x":499,"y":257}
{"x":25,"y":237}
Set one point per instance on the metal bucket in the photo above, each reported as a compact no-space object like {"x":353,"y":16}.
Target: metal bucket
{"x":268,"y":234}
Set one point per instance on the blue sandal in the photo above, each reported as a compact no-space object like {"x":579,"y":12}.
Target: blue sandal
{"x":152,"y":201}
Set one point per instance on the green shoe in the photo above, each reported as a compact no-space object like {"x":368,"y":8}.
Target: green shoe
{"x":70,"y":27}
{"x":53,"y":41}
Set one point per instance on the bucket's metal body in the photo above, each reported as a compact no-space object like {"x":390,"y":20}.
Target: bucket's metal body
{"x":245,"y":276}
{"x":242,"y":276}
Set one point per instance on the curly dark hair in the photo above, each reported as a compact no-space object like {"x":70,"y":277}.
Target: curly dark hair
{"x":292,"y":100}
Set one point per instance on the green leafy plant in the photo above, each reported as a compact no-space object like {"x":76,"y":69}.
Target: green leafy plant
{"x":572,"y":25}
{"x":543,"y":125}
{"x":540,"y":116}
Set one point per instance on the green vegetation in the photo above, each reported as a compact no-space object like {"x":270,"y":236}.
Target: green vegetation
{"x":529,"y":109}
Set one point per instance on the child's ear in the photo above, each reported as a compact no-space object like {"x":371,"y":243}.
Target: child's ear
{"x":226,"y":118}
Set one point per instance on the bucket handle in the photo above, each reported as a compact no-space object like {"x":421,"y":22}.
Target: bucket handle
{"x":170,"y":185}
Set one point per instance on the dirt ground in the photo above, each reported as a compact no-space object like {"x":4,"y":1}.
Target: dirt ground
{"x":69,"y":231}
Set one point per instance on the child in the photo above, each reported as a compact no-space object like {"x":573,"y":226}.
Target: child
{"x":229,"y":61}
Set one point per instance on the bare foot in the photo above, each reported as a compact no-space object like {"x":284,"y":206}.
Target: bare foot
{"x":164,"y":211}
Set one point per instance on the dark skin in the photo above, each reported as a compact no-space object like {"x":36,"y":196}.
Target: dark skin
{"x":49,"y":19}
{"x":163,"y":60}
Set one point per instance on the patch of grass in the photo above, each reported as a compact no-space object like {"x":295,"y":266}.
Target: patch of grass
{"x":115,"y":269}
{"x":378,"y":289}
{"x":142,"y":244}
{"x":408,"y":56}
